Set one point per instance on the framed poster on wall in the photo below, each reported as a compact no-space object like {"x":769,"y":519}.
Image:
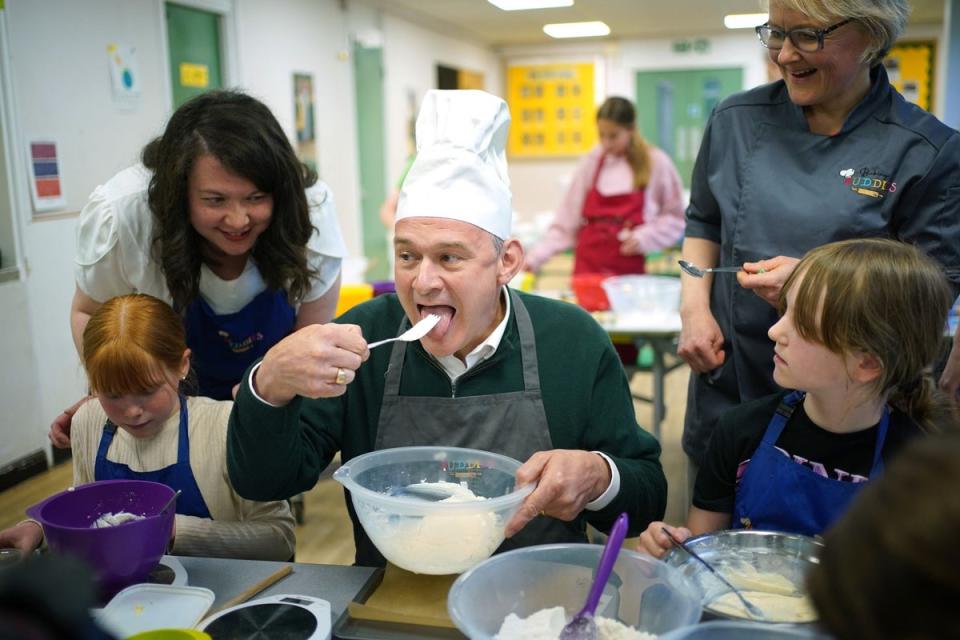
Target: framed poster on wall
{"x":553,"y":107}
{"x":303,"y":119}
{"x":910,"y":66}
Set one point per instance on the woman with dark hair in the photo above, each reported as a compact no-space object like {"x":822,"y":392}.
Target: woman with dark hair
{"x":222,"y":221}
{"x":626,"y":199}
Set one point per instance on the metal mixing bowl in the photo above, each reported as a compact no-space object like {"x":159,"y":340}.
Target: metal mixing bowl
{"x":789,"y":555}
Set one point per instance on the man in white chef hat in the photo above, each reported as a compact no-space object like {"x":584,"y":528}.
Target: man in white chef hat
{"x":521,"y":375}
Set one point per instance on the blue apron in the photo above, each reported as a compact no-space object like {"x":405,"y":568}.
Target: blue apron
{"x":779,"y":494}
{"x":223,"y":346}
{"x":176,"y":476}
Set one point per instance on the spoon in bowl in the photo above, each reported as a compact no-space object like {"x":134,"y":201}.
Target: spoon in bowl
{"x":695,"y":271}
{"x":583,"y":627}
{"x":170,"y":502}
{"x":430,"y":491}
{"x":415,"y":332}
{"x":751,"y":608}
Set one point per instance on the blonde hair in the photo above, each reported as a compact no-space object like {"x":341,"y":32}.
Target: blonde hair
{"x":885,"y":298}
{"x":132,"y":344}
{"x":883,"y":20}
{"x":620,"y":111}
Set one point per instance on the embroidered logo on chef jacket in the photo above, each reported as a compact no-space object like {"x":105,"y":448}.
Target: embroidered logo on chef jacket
{"x":868,"y":181}
{"x":240,"y":346}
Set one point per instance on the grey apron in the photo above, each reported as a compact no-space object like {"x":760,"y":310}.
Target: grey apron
{"x":513,"y":424}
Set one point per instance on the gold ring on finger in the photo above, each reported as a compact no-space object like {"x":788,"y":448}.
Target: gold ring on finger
{"x":341,"y":376}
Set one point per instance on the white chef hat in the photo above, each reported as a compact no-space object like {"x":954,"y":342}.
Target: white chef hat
{"x":460,"y":171}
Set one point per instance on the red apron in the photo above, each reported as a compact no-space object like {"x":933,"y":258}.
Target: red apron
{"x":598,"y":248}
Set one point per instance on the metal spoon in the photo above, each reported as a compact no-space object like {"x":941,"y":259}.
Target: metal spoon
{"x":170,"y":502}
{"x":415,"y":332}
{"x":582,"y":627}
{"x":697,"y":272}
{"x":751,"y":608}
{"x":431,"y":491}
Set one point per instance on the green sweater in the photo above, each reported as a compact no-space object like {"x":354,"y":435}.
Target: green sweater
{"x":275,"y":453}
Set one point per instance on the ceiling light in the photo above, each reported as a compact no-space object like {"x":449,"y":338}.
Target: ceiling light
{"x":522,"y":5}
{"x":744,"y":20}
{"x":576,"y":29}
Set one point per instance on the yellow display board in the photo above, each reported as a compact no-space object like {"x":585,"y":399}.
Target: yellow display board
{"x":553,"y":109}
{"x":910,"y":66}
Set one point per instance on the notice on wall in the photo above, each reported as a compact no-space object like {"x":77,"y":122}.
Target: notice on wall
{"x":124,"y":75}
{"x":553,"y":108}
{"x":194,"y":75}
{"x":46,"y":184}
{"x":910,"y":66}
{"x":304,"y":119}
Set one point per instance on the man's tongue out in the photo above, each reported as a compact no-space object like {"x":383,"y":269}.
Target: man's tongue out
{"x":446,"y":317}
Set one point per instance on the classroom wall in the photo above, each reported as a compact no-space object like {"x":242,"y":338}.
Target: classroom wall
{"x":60,"y":88}
{"x":277,"y":39}
{"x":411,"y":54}
{"x":948,"y":99}
{"x":538,"y":185}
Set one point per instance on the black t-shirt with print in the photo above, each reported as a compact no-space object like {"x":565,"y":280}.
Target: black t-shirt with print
{"x":846,"y":457}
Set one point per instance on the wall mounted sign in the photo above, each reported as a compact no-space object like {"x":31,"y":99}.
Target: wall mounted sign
{"x":303,"y":119}
{"x":910,"y":66}
{"x":553,"y":109}
{"x":194,"y":75}
{"x":124,"y":75}
{"x":46,"y":187}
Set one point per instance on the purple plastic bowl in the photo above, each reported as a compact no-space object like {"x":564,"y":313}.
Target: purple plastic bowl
{"x":121,"y":555}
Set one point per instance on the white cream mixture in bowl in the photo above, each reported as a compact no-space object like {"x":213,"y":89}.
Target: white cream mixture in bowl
{"x":768,"y":567}
{"x":433,"y":510}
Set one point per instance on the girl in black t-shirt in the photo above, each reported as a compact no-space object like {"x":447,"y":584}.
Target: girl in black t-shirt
{"x":861,"y":322}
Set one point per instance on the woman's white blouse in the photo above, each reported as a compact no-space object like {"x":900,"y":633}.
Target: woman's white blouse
{"x":114,"y":250}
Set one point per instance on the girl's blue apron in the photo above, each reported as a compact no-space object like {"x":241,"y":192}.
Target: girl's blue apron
{"x":176,"y":476}
{"x":223,"y":346}
{"x":778,"y":494}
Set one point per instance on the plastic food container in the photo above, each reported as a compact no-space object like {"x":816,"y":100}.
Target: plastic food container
{"x":424,"y":535}
{"x":649,"y":294}
{"x":156,"y":612}
{"x":642,"y":591}
{"x":767,"y":552}
{"x":120,"y":555}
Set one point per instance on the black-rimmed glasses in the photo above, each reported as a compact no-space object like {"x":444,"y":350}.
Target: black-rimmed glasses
{"x":804,"y":39}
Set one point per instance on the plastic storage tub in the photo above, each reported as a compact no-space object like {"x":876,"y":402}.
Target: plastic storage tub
{"x":429,"y":536}
{"x":650,"y":294}
{"x":642,"y":591}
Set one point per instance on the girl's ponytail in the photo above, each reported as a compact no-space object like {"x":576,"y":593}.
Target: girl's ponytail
{"x":926,"y":404}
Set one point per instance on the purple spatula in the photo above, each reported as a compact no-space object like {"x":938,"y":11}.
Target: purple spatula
{"x":582,"y":627}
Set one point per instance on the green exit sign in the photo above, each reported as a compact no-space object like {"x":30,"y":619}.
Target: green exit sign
{"x":699,"y":45}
